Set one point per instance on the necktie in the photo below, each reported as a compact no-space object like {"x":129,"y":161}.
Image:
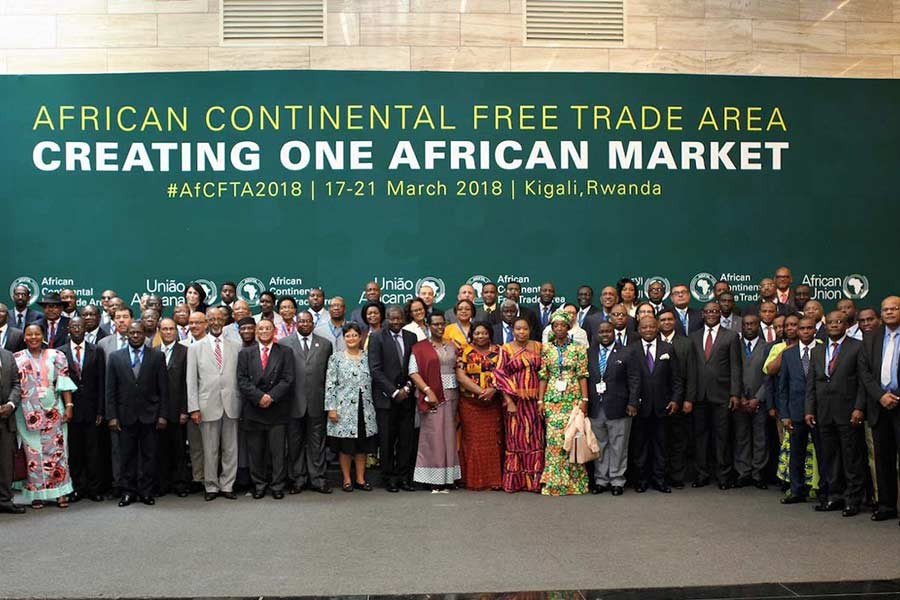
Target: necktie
{"x":265,"y":357}
{"x":649,"y":358}
{"x":136,"y":360}
{"x":805,"y":361}
{"x":51,"y":331}
{"x":398,"y":341}
{"x":183,"y":333}
{"x":581,"y":315}
{"x":122,"y":341}
{"x":889,"y":362}
{"x":545,"y":316}
{"x":169,"y":354}
{"x":620,"y":338}
{"x":509,"y":334}
{"x":684,"y":321}
{"x":78,"y":360}
{"x":770,"y":333}
{"x":218,"y":353}
{"x":834,"y":355}
{"x":305,"y":345}
{"x":603,"y":352}
{"x":91,"y":337}
{"x":749,"y":350}
{"x":707,"y":346}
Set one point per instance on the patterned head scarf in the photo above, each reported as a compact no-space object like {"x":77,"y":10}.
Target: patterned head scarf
{"x":561,"y":315}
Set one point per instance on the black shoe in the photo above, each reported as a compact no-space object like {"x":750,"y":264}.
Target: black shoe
{"x":677,"y":484}
{"x":850,"y":511}
{"x":74,"y":497}
{"x":640,"y":488}
{"x":407,"y":486}
{"x":599,"y":489}
{"x":792,"y":499}
{"x":742,"y":482}
{"x":148,"y":500}
{"x":366,"y":487}
{"x":699,"y":483}
{"x":208,"y":496}
{"x":725,"y":485}
{"x":760,"y":484}
{"x":295,"y":489}
{"x":662,"y":488}
{"x":126,"y":500}
{"x":322,"y":489}
{"x":279,"y":495}
{"x":831,"y":506}
{"x":884,"y":515}
{"x":182,"y":493}
{"x":617,"y":490}
{"x":258,"y":494}
{"x":12,"y":509}
{"x":228,"y":495}
{"x":96,"y":497}
{"x":392,"y":488}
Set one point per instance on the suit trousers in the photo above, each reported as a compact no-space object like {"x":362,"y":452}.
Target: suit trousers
{"x":650,"y":449}
{"x":678,"y":437}
{"x":7,"y":448}
{"x":396,"y":432}
{"x":844,"y":465}
{"x":886,"y":438}
{"x":712,"y":420}
{"x":612,"y":436}
{"x":751,"y":445}
{"x":797,"y":460}
{"x":195,"y":446}
{"x":138,"y":445}
{"x":220,"y":442}
{"x":84,"y":457}
{"x":265,"y":444}
{"x":173,"y":467}
{"x":116,"y":456}
{"x":306,"y":451}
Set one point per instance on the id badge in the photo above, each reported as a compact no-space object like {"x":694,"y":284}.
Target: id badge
{"x":601,"y":387}
{"x":560,"y":385}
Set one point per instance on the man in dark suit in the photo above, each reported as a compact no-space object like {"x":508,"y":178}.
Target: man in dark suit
{"x":721,"y":289}
{"x":836,"y":404}
{"x":687,"y":319}
{"x":730,"y":318}
{"x":614,"y":387}
{"x":54,"y":326}
{"x":718,"y":355}
{"x":586,"y":308}
{"x":679,"y":424}
{"x":22,"y":315}
{"x":503,"y":330}
{"x":661,"y":393}
{"x":93,"y":333}
{"x":87,"y":369}
{"x":545,"y":306}
{"x":751,"y":450}
{"x":11,"y":339}
{"x":784,"y":296}
{"x":513,"y":292}
{"x":137,"y":396}
{"x":881,"y":377}
{"x":265,"y":374}
{"x":767,"y":314}
{"x":766,"y":294}
{"x":490,"y":304}
{"x":609,"y":297}
{"x":392,"y":393}
{"x":626,"y":330}
{"x":656,"y":292}
{"x":813,"y":309}
{"x":306,"y":427}
{"x":11,"y":397}
{"x":792,"y":376}
{"x":173,"y":465}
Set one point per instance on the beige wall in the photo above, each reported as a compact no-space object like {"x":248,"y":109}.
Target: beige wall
{"x":833,"y":38}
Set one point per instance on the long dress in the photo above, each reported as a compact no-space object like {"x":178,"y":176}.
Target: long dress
{"x":40,"y":424}
{"x":517,"y":375}
{"x":437,"y":459}
{"x":481,"y":424}
{"x":568,"y":364}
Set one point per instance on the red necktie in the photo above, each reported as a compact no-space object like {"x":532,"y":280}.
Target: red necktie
{"x":834,"y":355}
{"x":78,"y":360}
{"x":707,"y":348}
{"x":218,"y":353}
{"x":769,"y":335}
{"x":265,"y":357}
{"x":51,"y":331}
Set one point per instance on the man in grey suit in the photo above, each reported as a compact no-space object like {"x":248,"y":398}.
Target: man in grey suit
{"x":331,"y":328}
{"x":751,"y":450}
{"x":214,"y":403}
{"x":306,"y":427}
{"x":11,"y":396}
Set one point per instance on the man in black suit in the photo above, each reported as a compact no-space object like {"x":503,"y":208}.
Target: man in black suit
{"x":93,"y":333}
{"x":11,"y":339}
{"x":626,"y":330}
{"x":87,"y":369}
{"x":490,"y":305}
{"x":836,"y":404}
{"x":585,"y":298}
{"x":784,"y":296}
{"x":22,"y":315}
{"x":173,"y":465}
{"x":54,"y":326}
{"x":514,"y":292}
{"x":609,"y":297}
{"x":767,"y":313}
{"x":503,"y":330}
{"x":11,"y":397}
{"x":265,"y":375}
{"x":718,"y":354}
{"x":813,"y":309}
{"x":766,"y":294}
{"x":656,"y":291}
{"x":881,"y":377}
{"x":137,"y":397}
{"x":392,"y":393}
{"x":545,"y":305}
{"x":661,"y":393}
{"x":614,"y":387}
{"x":679,"y":424}
{"x":802,"y":295}
{"x":731,"y":317}
{"x":687,"y":319}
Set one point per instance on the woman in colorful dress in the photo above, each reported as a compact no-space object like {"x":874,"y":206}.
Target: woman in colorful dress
{"x":41,"y":420}
{"x":432,"y":367}
{"x":564,"y":373}
{"x":458,"y":332}
{"x":480,"y":412}
{"x":516,"y":376}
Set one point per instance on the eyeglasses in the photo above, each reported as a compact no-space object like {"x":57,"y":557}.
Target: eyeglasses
{"x":712,"y":311}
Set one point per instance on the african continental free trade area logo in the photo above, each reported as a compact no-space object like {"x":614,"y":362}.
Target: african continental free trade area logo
{"x":436,"y":283}
{"x":212,"y":291}
{"x":249,"y":289}
{"x":28,"y":282}
{"x":477,"y":282}
{"x":703,"y":286}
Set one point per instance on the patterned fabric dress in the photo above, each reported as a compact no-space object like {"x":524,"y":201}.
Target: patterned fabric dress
{"x":40,"y":424}
{"x":569,"y":364}
{"x":517,"y":375}
{"x":481,"y":424}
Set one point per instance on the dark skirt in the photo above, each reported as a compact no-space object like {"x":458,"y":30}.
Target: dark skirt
{"x":361,"y":444}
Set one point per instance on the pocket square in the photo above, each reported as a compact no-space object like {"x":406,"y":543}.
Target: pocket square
{"x":664,"y":356}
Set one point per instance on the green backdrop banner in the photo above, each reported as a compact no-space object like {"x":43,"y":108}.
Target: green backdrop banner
{"x":286,"y":180}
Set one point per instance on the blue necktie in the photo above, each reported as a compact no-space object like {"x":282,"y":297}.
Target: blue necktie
{"x":603,"y":352}
{"x":136,"y":360}
{"x":894,"y":361}
{"x":684,"y":321}
{"x":804,"y":360}
{"x":509,"y":334}
{"x":749,"y":350}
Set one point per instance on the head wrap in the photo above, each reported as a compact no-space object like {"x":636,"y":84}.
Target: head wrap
{"x":561,"y":315}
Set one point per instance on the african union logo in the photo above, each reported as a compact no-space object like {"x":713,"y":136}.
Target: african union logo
{"x":662,"y":280}
{"x":856,"y":286}
{"x":434,"y":282}
{"x":28,"y":282}
{"x":702,"y":286}
{"x":477,"y":282}
{"x":249,"y":289}
{"x":212,"y":292}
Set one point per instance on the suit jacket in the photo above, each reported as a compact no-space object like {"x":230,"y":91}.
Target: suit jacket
{"x":177,"y":374}
{"x":61,"y":335}
{"x":832,"y":398}
{"x":791,"y":402}
{"x":15,"y":339}
{"x":309,"y":375}
{"x":90,"y":397}
{"x":100,"y":335}
{"x":31,"y":316}
{"x":786,"y":308}
{"x":695,"y":321}
{"x":277,"y":380}
{"x":323,"y":330}
{"x":736,"y":322}
{"x":213,"y":392}
{"x":753,"y":380}
{"x":387,"y":371}
{"x":663,"y":384}
{"x":497,"y":334}
{"x":136,"y":400}
{"x":10,"y":387}
{"x":719,"y":377}
{"x":687,"y":366}
{"x":109,"y":344}
{"x":873,"y":346}
{"x":537,"y":313}
{"x":622,"y":378}
{"x":592,"y":323}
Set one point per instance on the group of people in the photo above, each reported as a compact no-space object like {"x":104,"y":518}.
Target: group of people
{"x":486,"y":396}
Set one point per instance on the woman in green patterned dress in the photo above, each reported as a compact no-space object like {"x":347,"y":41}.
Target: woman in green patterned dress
{"x":563,"y":386}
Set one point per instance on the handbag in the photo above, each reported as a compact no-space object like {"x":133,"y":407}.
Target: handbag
{"x":20,"y":471}
{"x":580,"y":442}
